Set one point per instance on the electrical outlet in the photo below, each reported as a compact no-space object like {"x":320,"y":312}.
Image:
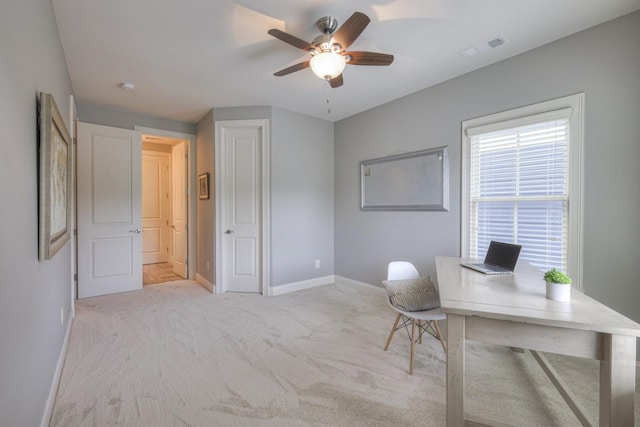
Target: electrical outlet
{"x":62,"y":315}
{"x":317,"y":263}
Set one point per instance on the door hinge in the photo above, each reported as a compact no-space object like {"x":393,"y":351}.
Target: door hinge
{"x":75,"y":231}
{"x":75,"y":277}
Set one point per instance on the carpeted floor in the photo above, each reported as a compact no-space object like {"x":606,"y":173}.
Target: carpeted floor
{"x":176,"y":355}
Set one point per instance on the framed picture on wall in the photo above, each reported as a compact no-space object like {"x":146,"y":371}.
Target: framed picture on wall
{"x":54,"y":198}
{"x":203,"y":185}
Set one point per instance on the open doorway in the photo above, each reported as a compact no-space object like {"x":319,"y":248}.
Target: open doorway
{"x":167,"y":213}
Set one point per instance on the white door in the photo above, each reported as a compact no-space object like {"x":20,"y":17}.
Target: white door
{"x":155,"y":207}
{"x":242,"y":209}
{"x":179,"y":215}
{"x":109,"y":210}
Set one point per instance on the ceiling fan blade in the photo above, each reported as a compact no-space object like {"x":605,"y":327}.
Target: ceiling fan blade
{"x":336,"y":81}
{"x":292,"y":40}
{"x":292,"y":69}
{"x":369,"y":58}
{"x":351,"y":29}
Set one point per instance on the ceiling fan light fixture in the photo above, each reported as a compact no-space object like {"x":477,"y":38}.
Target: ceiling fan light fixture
{"x":327,"y":65}
{"x":328,"y":50}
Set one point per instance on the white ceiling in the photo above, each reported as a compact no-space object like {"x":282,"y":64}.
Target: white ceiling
{"x":186,"y":57}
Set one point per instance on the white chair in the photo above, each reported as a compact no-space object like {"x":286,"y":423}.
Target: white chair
{"x":427,"y":320}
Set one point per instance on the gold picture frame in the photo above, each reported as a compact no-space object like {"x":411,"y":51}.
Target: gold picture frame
{"x":203,"y":186}
{"x":55,"y":191}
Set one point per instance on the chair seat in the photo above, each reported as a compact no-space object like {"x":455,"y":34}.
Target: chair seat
{"x":430,"y":315}
{"x":425,"y":321}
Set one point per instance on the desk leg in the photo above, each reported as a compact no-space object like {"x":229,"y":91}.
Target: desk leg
{"x":455,"y":370}
{"x":618,"y":381}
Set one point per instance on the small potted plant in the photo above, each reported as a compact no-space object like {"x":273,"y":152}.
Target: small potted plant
{"x":558,"y":285}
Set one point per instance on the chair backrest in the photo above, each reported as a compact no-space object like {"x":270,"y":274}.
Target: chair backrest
{"x":399,"y":270}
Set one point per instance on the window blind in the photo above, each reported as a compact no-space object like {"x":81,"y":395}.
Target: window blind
{"x":519,"y":187}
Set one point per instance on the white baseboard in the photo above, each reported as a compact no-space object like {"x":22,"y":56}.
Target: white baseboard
{"x":299,"y":286}
{"x":204,"y":282}
{"x":46,"y":417}
{"x":347,"y":281}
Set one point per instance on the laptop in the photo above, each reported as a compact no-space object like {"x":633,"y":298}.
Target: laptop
{"x":501,"y":258}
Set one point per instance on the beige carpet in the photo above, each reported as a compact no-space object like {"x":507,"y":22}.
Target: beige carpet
{"x":175,"y":355}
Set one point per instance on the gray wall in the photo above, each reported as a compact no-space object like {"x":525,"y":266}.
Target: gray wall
{"x":603,"y":62}
{"x":242,"y":113}
{"x":301,"y":197}
{"x":301,"y":192}
{"x":205,"y":209}
{"x":121,"y":119}
{"x":31,"y":292}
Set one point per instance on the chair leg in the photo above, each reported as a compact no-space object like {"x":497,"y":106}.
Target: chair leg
{"x":413,"y":341}
{"x":393,"y":330}
{"x":442,"y":341}
{"x":420,"y":331}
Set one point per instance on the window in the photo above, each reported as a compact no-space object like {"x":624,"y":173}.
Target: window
{"x":521,"y":183}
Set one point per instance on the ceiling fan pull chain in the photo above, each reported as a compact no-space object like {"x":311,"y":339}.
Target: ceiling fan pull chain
{"x":328,"y":101}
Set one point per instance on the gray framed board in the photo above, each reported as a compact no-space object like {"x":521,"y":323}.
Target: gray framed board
{"x":416,"y":181}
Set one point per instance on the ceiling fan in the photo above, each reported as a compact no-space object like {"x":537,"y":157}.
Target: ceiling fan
{"x":328,"y":51}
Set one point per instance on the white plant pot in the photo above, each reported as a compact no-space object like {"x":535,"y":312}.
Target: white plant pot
{"x":558,"y":292}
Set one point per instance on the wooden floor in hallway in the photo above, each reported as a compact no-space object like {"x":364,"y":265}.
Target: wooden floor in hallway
{"x":158,"y":273}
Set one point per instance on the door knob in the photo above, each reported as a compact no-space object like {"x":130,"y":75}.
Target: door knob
{"x":137,"y":231}
{"x":228,"y":232}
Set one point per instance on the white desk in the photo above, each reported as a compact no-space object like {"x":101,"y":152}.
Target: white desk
{"x":512,"y":310}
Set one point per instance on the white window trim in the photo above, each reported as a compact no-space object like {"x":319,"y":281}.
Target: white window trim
{"x":576,"y":172}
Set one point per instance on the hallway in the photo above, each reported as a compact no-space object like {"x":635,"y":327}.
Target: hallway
{"x":158,"y":273}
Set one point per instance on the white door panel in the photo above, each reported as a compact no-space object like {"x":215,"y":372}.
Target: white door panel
{"x":155,"y":207}
{"x":106,"y":265}
{"x":242,"y":182}
{"x":109,"y":210}
{"x":244,"y":249}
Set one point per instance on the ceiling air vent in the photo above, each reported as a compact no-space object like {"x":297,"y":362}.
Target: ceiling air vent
{"x":484,"y":46}
{"x":498,"y":41}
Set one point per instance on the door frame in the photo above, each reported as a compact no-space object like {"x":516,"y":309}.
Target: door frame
{"x":191,"y":205}
{"x":221,"y":128}
{"x":73,"y":119}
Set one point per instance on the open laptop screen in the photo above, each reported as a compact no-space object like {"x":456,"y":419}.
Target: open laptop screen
{"x":503,"y":254}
